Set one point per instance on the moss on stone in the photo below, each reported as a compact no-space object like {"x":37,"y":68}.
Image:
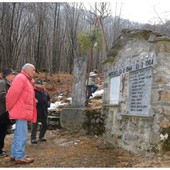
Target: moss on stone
{"x":166,"y":143}
{"x":94,"y":122}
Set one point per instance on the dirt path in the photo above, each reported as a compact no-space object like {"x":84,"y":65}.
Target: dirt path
{"x":64,"y":149}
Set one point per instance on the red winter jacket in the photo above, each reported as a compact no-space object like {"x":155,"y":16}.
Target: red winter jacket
{"x":20,"y":99}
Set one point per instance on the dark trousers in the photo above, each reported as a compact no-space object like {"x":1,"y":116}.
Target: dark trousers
{"x":3,"y":132}
{"x":4,"y":124}
{"x":43,"y":128}
{"x":91,"y":89}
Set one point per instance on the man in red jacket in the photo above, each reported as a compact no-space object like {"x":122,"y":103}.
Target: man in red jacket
{"x":21,"y":105}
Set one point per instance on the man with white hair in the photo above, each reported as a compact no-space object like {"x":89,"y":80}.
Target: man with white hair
{"x":21,"y":105}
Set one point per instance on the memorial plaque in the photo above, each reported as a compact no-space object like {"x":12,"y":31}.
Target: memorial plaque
{"x":114,"y":90}
{"x":140,"y":91}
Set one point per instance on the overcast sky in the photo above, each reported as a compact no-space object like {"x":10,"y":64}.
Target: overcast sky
{"x":135,"y":10}
{"x":143,"y":11}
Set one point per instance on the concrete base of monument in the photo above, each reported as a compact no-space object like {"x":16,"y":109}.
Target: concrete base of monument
{"x":73,"y":118}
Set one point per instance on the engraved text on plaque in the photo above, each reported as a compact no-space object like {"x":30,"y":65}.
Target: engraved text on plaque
{"x":140,"y":91}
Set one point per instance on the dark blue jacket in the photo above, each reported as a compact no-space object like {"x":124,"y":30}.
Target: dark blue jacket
{"x":43,"y":102}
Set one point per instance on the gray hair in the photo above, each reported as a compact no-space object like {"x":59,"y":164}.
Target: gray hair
{"x":27,"y":65}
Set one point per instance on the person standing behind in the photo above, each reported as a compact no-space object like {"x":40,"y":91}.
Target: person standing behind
{"x":5,"y":83}
{"x":21,"y":105}
{"x":43,"y":103}
{"x":92,"y":83}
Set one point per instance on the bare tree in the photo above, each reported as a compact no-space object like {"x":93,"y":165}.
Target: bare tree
{"x":14,"y":28}
{"x":45,"y":34}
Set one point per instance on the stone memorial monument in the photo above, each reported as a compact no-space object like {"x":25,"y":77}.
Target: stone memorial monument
{"x":73,"y":117}
{"x":137,"y":92}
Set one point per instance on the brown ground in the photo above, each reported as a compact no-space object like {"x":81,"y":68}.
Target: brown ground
{"x":65,"y":149}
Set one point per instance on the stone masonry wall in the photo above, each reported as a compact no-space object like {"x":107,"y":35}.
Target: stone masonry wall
{"x":89,"y":121}
{"x":139,"y":133}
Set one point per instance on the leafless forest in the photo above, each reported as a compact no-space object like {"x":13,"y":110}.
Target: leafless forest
{"x":51,"y":35}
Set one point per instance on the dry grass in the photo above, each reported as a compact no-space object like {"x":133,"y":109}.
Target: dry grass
{"x":57,"y":84}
